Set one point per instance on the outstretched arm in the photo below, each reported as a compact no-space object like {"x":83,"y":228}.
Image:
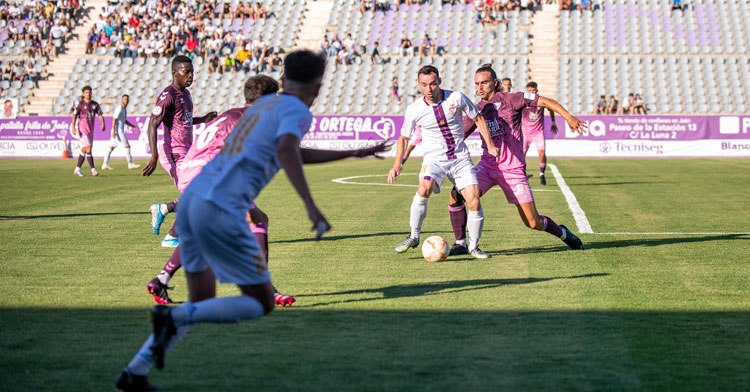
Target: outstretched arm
{"x":396,"y":169}
{"x":552,"y":118}
{"x":208,"y":117}
{"x":574,"y":123}
{"x":291,"y":160}
{"x":311,"y":155}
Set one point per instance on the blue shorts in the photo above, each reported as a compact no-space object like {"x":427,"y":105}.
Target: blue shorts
{"x":211,"y":237}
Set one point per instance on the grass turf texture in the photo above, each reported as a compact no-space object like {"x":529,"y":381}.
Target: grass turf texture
{"x":632,"y":312}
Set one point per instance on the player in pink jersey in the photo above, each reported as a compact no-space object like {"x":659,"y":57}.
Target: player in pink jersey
{"x":532,"y":125}
{"x":174,"y":109}
{"x":83,"y":117}
{"x":502,"y":112}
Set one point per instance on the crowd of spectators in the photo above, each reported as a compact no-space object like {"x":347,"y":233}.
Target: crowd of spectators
{"x":581,"y":5}
{"x":19,"y":70}
{"x":40,"y":27}
{"x":153,"y":28}
{"x":632,"y":104}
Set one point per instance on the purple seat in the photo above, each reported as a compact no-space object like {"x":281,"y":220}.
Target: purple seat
{"x":454,"y":42}
{"x":466,"y":42}
{"x":447,"y":7}
{"x":442,"y":42}
{"x":477,"y":42}
{"x":414,"y":7}
{"x":236,"y":25}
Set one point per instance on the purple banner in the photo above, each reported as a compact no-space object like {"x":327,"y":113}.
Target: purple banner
{"x":355,"y":128}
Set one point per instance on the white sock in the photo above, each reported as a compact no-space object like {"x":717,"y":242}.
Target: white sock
{"x":129,"y":156}
{"x":461,"y":242}
{"x":417,"y":214}
{"x":163,"y":208}
{"x":163,"y":277}
{"x":218,"y":310}
{"x":143,"y":361}
{"x":474,"y":223}
{"x":106,"y":158}
{"x":169,"y":237}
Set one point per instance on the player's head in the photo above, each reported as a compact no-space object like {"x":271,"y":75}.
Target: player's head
{"x":86,"y":92}
{"x":428,"y":80}
{"x":303,"y":74}
{"x":182,"y":72}
{"x":8,"y":105}
{"x":125,"y":100}
{"x":531,"y":87}
{"x":507,"y":85}
{"x":486,"y":83}
{"x":258,"y":86}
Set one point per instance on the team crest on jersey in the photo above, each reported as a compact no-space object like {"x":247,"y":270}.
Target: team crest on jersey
{"x":156,"y":111}
{"x":452,"y":109}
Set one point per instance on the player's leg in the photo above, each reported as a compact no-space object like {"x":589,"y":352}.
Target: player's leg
{"x":128,"y":155}
{"x":417,"y":213}
{"x":474,"y":220}
{"x":457,"y":212}
{"x":159,"y":285}
{"x":81,"y":158}
{"x":539,"y":142}
{"x":105,"y":164}
{"x":534,"y":221}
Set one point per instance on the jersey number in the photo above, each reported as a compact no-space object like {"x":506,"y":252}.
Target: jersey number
{"x":235,"y":145}
{"x":208,"y":134}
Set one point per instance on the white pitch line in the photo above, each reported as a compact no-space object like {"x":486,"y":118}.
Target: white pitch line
{"x":345,"y":180}
{"x":672,"y":233}
{"x":580,"y":217}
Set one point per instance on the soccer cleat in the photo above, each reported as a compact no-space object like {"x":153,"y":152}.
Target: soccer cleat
{"x":172,"y":242}
{"x":94,"y":172}
{"x":156,"y":217}
{"x":458,"y":249}
{"x":133,"y":165}
{"x":542,"y":180}
{"x":77,"y":171}
{"x":129,"y":382}
{"x":479,"y":254}
{"x":404,"y":245}
{"x":159,"y":291}
{"x":571,"y":239}
{"x":282,"y":299}
{"x":106,"y":167}
{"x":164,"y":329}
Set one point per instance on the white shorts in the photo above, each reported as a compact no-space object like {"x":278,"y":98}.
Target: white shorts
{"x":211,"y":237}
{"x":120,"y":139}
{"x":459,"y":171}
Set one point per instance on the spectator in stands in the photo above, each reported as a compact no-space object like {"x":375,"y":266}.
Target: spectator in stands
{"x":366,"y":5}
{"x":601,"y":106}
{"x":29,"y":73}
{"x":50,"y":50}
{"x":376,"y":53}
{"x":587,"y":5}
{"x":394,"y":91}
{"x":213,"y":64}
{"x":342,"y":57}
{"x":639,"y":106}
{"x":627,"y":105}
{"x":242,"y":54}
{"x":191,"y":45}
{"x":92,"y":41}
{"x":427,"y":44}
{"x":382,"y":5}
{"x":244,"y":11}
{"x":677,"y":5}
{"x":228,"y":63}
{"x":276,"y":63}
{"x":326,"y":47}
{"x":260,"y":11}
{"x":565,"y":5}
{"x":406,"y":46}
{"x":8,"y":73}
{"x":133,"y":48}
{"x":612,"y":105}
{"x":35,"y":46}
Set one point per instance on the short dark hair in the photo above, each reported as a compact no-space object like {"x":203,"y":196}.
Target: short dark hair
{"x":125,"y":95}
{"x":428,"y":69}
{"x":504,"y":79}
{"x":304,"y":66}
{"x":7,"y":101}
{"x":258,"y":86}
{"x":531,"y":84}
{"x":177,"y":60}
{"x":602,"y":97}
{"x":86,"y":87}
{"x":488,"y":68}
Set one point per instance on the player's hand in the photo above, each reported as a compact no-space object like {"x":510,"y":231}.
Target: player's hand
{"x":577,"y":125}
{"x":150,"y":167}
{"x":374,"y":150}
{"x":320,"y":224}
{"x":113,"y":134}
{"x":395,"y":171}
{"x":209,"y":117}
{"x":494,"y":151}
{"x":554,"y":129}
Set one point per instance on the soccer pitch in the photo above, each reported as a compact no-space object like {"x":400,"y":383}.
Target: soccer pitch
{"x":660,"y":300}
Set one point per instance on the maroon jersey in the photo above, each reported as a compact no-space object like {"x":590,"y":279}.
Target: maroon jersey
{"x":174,"y":108}
{"x":85,"y":113}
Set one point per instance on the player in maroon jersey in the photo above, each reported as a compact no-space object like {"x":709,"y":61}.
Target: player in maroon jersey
{"x":83,"y":117}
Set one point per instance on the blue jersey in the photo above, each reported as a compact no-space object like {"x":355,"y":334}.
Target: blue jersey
{"x":248,"y":159}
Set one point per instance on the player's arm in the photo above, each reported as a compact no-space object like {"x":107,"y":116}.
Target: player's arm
{"x":208,"y":117}
{"x":129,"y":124}
{"x":552,"y":118}
{"x":485,"y":132}
{"x":311,"y":155}
{"x":574,"y":123}
{"x":400,"y":147}
{"x":409,"y":149}
{"x":101,"y":118}
{"x":73,"y":123}
{"x":153,"y":125}
{"x":291,"y":160}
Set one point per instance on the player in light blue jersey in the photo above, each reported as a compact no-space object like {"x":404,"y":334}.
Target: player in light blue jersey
{"x":216,"y":241}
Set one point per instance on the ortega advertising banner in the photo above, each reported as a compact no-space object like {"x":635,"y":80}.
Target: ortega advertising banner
{"x":607,"y":136}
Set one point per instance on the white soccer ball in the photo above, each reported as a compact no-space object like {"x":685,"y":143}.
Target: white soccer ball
{"x":435,"y":248}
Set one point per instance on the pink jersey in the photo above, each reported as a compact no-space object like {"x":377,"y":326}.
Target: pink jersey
{"x":174,"y":108}
{"x":503,"y":116}
{"x":532,"y":121}
{"x":416,"y":136}
{"x":206,"y":146}
{"x":85,"y":113}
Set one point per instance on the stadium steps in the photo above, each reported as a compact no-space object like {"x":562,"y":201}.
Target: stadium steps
{"x":41,"y":98}
{"x":544,"y":51}
{"x":315,"y":23}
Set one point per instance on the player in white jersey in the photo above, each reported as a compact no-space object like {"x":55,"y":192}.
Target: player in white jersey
{"x":216,"y":239}
{"x":439,"y":116}
{"x":119,"y":121}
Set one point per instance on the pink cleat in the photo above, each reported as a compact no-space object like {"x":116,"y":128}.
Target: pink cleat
{"x":283,"y":300}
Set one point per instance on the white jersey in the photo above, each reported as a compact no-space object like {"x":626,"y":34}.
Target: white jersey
{"x":441,"y":125}
{"x":121,"y":115}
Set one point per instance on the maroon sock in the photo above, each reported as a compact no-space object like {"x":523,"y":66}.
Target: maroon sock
{"x":81,"y":158}
{"x":173,"y":264}
{"x":551,"y":227}
{"x":173,"y":229}
{"x":172,"y":206}
{"x":458,"y":221}
{"x":90,"y":159}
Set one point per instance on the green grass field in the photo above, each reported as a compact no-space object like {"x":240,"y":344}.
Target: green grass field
{"x":633,"y":312}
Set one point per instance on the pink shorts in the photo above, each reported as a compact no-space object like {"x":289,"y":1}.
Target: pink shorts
{"x":86,"y":139}
{"x":186,"y":173}
{"x":537,"y":138}
{"x":169,"y":163}
{"x":513,"y":182}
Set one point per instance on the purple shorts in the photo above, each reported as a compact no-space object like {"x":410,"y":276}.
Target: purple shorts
{"x":537,"y":138}
{"x":513,"y":182}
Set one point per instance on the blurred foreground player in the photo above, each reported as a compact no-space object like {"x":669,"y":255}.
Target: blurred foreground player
{"x":174,"y":108}
{"x":216,"y":240}
{"x":502,"y":112}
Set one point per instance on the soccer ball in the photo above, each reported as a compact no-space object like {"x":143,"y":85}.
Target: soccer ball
{"x":435,"y":248}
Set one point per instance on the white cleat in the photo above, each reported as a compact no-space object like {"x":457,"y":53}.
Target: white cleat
{"x":133,"y":165}
{"x":479,"y":254}
{"x":106,"y":167}
{"x":94,"y":172}
{"x":77,"y":171}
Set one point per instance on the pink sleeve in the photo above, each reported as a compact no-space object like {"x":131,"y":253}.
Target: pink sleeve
{"x":416,"y":136}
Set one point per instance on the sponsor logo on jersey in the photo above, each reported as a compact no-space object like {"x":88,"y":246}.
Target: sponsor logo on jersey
{"x":156,"y":111}
{"x":529,"y":96}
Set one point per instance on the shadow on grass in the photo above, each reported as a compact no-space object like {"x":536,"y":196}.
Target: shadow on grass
{"x":76,"y":349}
{"x":365,"y":235}
{"x":661,"y":241}
{"x":436,"y":288}
{"x":620,"y":183}
{"x":18,"y":217}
